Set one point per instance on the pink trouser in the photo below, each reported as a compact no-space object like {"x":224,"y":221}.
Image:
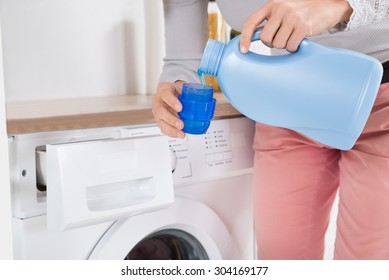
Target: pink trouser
{"x":296,"y":180}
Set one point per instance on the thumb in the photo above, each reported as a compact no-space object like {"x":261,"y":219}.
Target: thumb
{"x":178,"y":86}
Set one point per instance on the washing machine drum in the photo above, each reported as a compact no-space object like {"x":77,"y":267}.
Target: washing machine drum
{"x":168,"y":244}
{"x":186,"y":230}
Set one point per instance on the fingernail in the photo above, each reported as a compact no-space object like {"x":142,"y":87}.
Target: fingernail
{"x":243,"y":49}
{"x":177,"y":107}
{"x":178,"y":124}
{"x":180,"y":135}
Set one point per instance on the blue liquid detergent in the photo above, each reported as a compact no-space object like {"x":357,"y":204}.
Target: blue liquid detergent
{"x":323,"y":93}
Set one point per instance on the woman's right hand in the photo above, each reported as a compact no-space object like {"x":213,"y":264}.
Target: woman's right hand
{"x":166,"y":107}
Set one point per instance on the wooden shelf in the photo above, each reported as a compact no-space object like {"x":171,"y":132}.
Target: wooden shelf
{"x":90,"y":112}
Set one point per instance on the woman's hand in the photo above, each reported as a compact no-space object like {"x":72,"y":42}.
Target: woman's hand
{"x":165,"y":108}
{"x":290,"y":21}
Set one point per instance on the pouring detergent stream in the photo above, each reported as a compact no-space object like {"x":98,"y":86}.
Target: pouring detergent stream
{"x":202,"y":78}
{"x":324,"y":93}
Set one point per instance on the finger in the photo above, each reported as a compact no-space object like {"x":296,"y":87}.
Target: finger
{"x":282,"y":36}
{"x":167,"y":93}
{"x":178,"y":86}
{"x":250,"y":25}
{"x":296,"y":37}
{"x":270,"y":30}
{"x":175,"y":120}
{"x":166,"y":114}
{"x":169,"y":130}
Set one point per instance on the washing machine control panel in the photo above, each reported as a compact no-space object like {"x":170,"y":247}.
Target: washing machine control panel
{"x":226,"y":149}
{"x":180,"y":153}
{"x":217,"y":145}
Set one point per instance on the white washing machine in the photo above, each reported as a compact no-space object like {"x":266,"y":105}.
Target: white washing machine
{"x":132,"y":193}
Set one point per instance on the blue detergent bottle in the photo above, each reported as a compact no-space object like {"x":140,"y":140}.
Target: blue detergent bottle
{"x":323,"y":93}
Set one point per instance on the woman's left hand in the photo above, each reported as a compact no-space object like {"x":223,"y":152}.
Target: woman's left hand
{"x":290,"y":21}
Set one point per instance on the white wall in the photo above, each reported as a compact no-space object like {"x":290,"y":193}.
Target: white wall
{"x":5,"y":198}
{"x":71,"y":48}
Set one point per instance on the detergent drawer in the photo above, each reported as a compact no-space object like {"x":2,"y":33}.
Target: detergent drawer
{"x":96,"y":181}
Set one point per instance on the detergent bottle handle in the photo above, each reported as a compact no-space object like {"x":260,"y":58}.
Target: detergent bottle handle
{"x":306,"y":46}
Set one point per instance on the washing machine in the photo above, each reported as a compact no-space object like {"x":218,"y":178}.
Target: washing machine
{"x":132,"y":193}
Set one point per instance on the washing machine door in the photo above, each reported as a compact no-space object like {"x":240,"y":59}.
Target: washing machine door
{"x":186,"y":230}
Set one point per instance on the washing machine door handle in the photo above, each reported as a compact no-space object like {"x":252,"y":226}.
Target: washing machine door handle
{"x":98,"y":181}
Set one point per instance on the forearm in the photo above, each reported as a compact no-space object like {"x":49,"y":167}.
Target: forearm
{"x":185,"y":38}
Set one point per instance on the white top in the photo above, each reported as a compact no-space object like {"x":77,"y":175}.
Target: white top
{"x":186,"y":32}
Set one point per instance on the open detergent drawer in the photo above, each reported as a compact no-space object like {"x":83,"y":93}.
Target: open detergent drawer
{"x":96,"y":181}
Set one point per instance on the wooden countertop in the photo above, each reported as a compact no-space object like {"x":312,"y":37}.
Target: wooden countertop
{"x":90,"y":112}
